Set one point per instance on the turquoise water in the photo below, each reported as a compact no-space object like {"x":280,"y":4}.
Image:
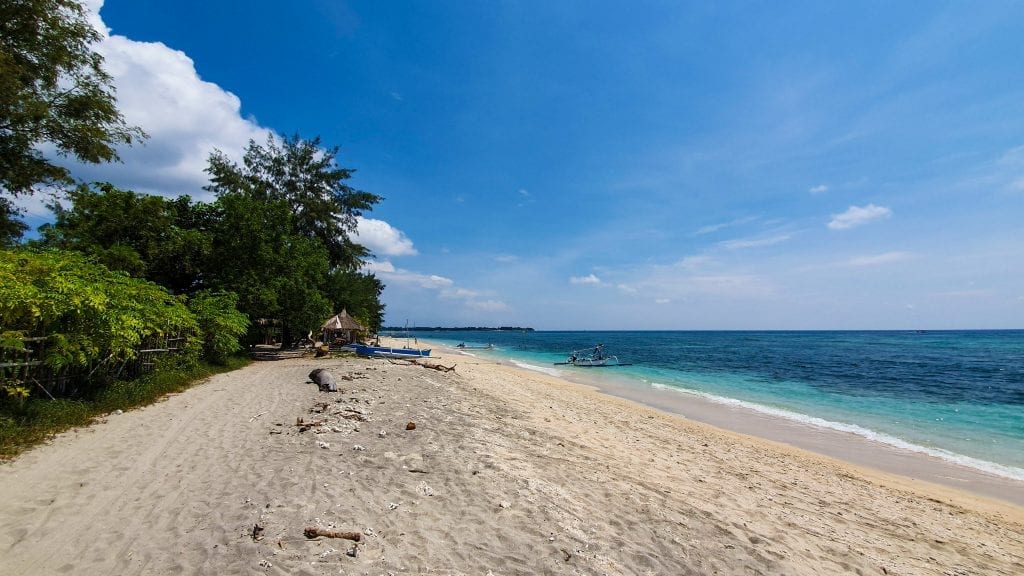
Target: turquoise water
{"x":957,"y":395}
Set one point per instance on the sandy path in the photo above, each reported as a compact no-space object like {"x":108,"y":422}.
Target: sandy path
{"x":506,"y":472}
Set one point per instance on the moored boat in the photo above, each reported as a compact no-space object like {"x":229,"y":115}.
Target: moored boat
{"x":593,"y":358}
{"x":390,"y":352}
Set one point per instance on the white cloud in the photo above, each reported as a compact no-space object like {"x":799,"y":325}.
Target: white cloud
{"x":159,"y":90}
{"x":694,"y":262}
{"x":589,"y":279}
{"x":378,"y":266}
{"x":744,"y":243}
{"x":382,"y":238}
{"x":445,"y":288}
{"x":716,"y":227}
{"x":858,"y":216}
{"x":488,"y":305}
{"x":879,"y":259}
{"x":819,"y":189}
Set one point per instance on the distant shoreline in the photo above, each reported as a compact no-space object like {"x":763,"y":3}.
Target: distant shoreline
{"x":459,"y":329}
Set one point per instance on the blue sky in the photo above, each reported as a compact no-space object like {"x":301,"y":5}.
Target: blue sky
{"x":622,"y":165}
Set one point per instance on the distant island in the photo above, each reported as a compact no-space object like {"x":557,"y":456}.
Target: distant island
{"x":458,"y":329}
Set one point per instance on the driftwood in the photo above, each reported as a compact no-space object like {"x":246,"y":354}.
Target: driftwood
{"x":314,"y":532}
{"x":303,"y":425}
{"x":409,"y":362}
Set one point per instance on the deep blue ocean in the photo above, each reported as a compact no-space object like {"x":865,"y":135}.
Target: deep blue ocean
{"x":957,"y":395}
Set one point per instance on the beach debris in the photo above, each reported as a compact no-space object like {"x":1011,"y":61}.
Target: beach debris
{"x":568,"y":556}
{"x":382,"y":433}
{"x":314,"y":532}
{"x":264,"y":563}
{"x":410,"y":426}
{"x":324,"y":380}
{"x":353,"y":551}
{"x":257,"y":532}
{"x":359,"y":447}
{"x":425,"y":489}
{"x":392,"y":506}
{"x":322,"y":444}
{"x":303,"y":425}
{"x":256,"y":416}
{"x":504,"y":504}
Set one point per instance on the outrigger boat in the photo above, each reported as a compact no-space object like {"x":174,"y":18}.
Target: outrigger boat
{"x":594,"y":358}
{"x":463,"y":346}
{"x":390,"y":352}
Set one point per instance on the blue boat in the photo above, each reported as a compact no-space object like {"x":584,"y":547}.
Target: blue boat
{"x":390,"y":352}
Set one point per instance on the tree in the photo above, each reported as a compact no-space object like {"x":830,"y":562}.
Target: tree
{"x":306,"y":177}
{"x":276,"y":273}
{"x":165,"y":241}
{"x":53,"y":91}
{"x":11,"y":228}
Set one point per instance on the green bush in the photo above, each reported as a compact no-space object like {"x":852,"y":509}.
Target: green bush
{"x":220,"y":323}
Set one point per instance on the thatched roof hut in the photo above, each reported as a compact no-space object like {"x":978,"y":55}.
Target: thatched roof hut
{"x":341,"y":326}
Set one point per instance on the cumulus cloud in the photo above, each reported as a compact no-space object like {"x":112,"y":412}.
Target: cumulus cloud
{"x":186,"y":117}
{"x":858,"y":216}
{"x":819,"y":189}
{"x":382,"y":238}
{"x":589,"y":279}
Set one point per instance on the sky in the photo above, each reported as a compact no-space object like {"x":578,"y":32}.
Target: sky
{"x":620,"y":165}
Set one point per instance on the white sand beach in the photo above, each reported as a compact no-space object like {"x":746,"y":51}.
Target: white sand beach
{"x":505,"y":472}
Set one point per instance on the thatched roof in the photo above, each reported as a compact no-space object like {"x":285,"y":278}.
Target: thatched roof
{"x":342,"y":321}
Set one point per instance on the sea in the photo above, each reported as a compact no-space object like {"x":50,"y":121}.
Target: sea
{"x":953,"y":395}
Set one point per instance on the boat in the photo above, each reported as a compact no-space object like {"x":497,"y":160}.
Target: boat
{"x":592,"y":358}
{"x":389,"y":351}
{"x":464,"y":346}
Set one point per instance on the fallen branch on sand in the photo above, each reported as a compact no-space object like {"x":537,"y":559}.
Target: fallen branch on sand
{"x":437,"y":367}
{"x":314,"y":532}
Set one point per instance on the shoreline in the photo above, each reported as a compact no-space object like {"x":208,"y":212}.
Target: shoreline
{"x":911,"y":467}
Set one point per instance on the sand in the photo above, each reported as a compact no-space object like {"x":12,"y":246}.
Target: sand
{"x":505,"y":472}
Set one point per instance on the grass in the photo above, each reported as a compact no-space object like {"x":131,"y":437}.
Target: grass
{"x":37,"y":419}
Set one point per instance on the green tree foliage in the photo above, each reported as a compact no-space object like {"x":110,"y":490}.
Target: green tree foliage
{"x":307,"y":178}
{"x":276,"y":273}
{"x":53,"y":91}
{"x":165,"y":241}
{"x":220,"y":322}
{"x":89,"y":313}
{"x":11,"y":228}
